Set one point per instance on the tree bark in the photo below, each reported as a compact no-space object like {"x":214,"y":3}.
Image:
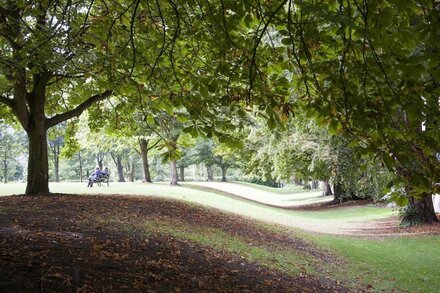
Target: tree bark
{"x":209,"y":173}
{"x":326,"y":188}
{"x":143,"y":143}
{"x":130,"y":170}
{"x":182,"y":173}
{"x":338,"y":193}
{"x":120,"y":168}
{"x":38,"y":166}
{"x":99,"y":159}
{"x":173,"y":173}
{"x":419,"y":211}
{"x":224,"y":169}
{"x":314,"y":184}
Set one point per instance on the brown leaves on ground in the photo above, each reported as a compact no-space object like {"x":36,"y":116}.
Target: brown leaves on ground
{"x":390,"y":227}
{"x":96,"y":243}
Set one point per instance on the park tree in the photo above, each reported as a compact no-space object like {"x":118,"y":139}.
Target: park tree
{"x":365,"y":69}
{"x":205,"y":155}
{"x":385,"y":88}
{"x":187,"y":159}
{"x":228,"y":154}
{"x":145,"y":146}
{"x":61,"y":58}
{"x":171,"y":133}
{"x":52,"y":54}
{"x":56,"y":141}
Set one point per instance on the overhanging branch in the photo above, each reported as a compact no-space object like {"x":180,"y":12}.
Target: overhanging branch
{"x":78,"y":110}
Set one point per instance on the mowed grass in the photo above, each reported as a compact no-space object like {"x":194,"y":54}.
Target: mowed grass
{"x":219,"y":200}
{"x":289,"y":189}
{"x":275,"y":257}
{"x":406,"y":263}
{"x":396,"y":263}
{"x":290,"y":199}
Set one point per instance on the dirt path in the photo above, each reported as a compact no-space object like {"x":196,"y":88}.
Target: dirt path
{"x":95,"y":243}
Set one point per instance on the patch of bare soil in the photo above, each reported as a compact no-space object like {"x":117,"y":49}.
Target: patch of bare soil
{"x":67,"y":243}
{"x":391,"y":227}
{"x":332,"y":205}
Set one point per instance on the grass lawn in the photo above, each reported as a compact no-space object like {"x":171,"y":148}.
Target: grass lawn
{"x":386,"y":264}
{"x":289,"y":189}
{"x":332,"y":220}
{"x":410,"y":263}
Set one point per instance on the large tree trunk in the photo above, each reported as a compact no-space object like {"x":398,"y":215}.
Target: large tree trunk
{"x":326,"y":188}
{"x":338,"y":193}
{"x":38,"y":166}
{"x":99,"y":159}
{"x":209,"y":173}
{"x":419,"y":211}
{"x":182,"y":173}
{"x":174,"y":173}
{"x":143,"y":143}
{"x":224,"y":169}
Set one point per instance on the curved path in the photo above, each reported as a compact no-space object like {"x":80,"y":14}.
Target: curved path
{"x":282,"y":200}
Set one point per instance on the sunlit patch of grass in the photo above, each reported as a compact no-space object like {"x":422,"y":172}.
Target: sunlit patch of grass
{"x":282,"y":259}
{"x":394,"y":263}
{"x":12,"y":188}
{"x":113,"y":224}
{"x":291,"y":189}
{"x":366,"y":212}
{"x":222,"y":201}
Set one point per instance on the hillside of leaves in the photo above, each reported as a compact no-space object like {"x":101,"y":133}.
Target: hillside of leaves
{"x":96,"y":243}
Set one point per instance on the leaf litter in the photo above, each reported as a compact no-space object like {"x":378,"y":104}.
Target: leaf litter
{"x":76,"y":243}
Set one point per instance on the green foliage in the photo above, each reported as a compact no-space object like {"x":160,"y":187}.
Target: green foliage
{"x":12,"y":147}
{"x":303,"y":150}
{"x":353,"y":77}
{"x":357,"y":175}
{"x":410,"y":216}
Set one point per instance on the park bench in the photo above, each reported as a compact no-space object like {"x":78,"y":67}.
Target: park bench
{"x":101,"y":179}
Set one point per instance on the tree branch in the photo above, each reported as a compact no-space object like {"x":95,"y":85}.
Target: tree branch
{"x":78,"y":110}
{"x":154,"y":145}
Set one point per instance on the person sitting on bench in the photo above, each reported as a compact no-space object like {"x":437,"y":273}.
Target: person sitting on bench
{"x":95,"y":175}
{"x":106,"y":172}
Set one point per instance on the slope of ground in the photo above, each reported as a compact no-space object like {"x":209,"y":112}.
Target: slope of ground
{"x":268,"y":197}
{"x":137,"y":243}
{"x":113,"y":243}
{"x":345,"y":220}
